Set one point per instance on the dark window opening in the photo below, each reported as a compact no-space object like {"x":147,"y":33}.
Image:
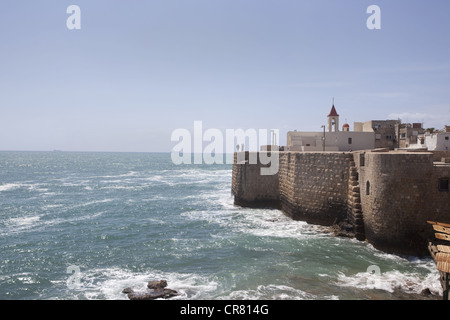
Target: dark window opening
{"x":361,"y":160}
{"x":367,"y":188}
{"x":349,"y":140}
{"x":444,"y":184}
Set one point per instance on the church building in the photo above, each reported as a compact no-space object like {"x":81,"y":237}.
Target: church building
{"x":331,"y":138}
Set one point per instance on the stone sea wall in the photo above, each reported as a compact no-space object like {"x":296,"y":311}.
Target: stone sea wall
{"x":250,"y":188}
{"x":384,"y":198}
{"x":313,"y":186}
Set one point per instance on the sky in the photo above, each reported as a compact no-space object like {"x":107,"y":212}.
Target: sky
{"x":138,"y":70}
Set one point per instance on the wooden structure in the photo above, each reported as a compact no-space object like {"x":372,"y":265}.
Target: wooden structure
{"x":440,"y":251}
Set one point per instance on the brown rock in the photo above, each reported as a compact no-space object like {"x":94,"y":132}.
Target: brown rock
{"x":157,"y":284}
{"x":156,"y":290}
{"x":153,"y":294}
{"x":127,"y":290}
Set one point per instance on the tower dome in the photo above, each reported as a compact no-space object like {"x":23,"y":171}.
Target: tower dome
{"x":345,"y":127}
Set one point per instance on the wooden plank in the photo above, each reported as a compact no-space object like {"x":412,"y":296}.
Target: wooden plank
{"x":439,"y":223}
{"x":441,"y":229}
{"x":433,"y":248}
{"x":443,"y":256}
{"x":442,"y":236}
{"x":442,"y":248}
{"x":443,"y":266}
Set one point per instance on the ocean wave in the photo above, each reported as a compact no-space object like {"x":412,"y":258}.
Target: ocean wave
{"x":108,"y":283}
{"x":22,"y":223}
{"x":10,"y":186}
{"x":392,"y":281}
{"x":128,"y":174}
{"x":274,"y":292}
{"x":38,"y":223}
{"x":274,"y":223}
{"x":30,"y":186}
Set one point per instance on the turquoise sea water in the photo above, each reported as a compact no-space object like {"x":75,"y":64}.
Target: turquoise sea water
{"x":87,"y":225}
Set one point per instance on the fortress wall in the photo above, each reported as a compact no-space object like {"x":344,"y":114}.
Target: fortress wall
{"x":386,"y":197}
{"x":439,"y":154}
{"x":439,"y":200}
{"x":249,"y":187}
{"x":313,"y":186}
{"x":309,"y":186}
{"x":396,"y":193}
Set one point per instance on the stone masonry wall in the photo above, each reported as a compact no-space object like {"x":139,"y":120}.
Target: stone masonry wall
{"x":313,"y":186}
{"x":385,"y":198}
{"x":399,"y":193}
{"x":309,"y":186}
{"x":250,"y":188}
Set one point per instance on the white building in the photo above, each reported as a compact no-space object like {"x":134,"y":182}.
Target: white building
{"x":437,"y":141}
{"x":331,"y":139}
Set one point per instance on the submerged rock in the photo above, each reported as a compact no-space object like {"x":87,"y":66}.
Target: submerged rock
{"x":153,"y":294}
{"x":425,"y":292}
{"x":127,"y":290}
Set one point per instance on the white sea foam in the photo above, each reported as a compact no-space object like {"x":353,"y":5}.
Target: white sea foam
{"x":274,"y":292}
{"x":10,"y":186}
{"x":89,"y":203}
{"x":109,"y":283}
{"x":128,"y":174}
{"x":21,"y":223}
{"x":30,"y":186}
{"x":35,"y":223}
{"x":391,"y":281}
{"x":26,"y":278}
{"x":273,"y":223}
{"x":51,"y":206}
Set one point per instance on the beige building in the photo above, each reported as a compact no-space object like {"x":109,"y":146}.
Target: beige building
{"x":386,"y":132}
{"x":330,"y":139}
{"x":409,"y":134}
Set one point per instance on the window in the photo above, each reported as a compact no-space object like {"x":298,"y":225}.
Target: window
{"x":444,"y":184}
{"x":446,"y":138}
{"x":349,"y":140}
{"x":361,"y":160}
{"x":367,"y":188}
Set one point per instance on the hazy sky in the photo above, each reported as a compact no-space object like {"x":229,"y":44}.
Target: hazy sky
{"x":138,"y":70}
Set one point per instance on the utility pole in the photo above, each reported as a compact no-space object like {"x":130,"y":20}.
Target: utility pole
{"x":323,"y":138}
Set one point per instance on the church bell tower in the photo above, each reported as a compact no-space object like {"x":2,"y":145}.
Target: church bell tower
{"x":333,"y":120}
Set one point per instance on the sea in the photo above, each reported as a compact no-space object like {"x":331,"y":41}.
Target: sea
{"x":86,"y":225}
